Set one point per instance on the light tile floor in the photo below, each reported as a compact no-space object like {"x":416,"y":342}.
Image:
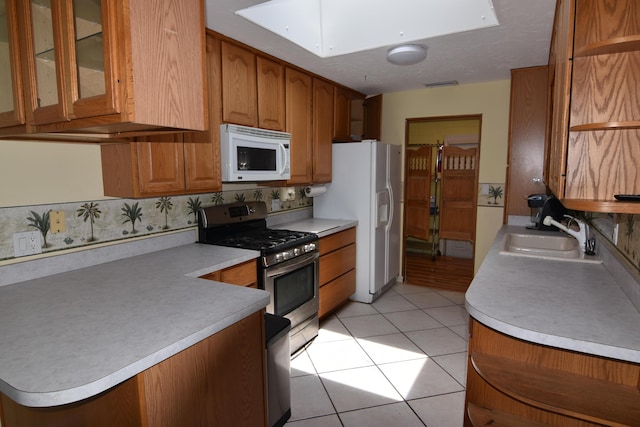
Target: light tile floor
{"x":400,"y":361}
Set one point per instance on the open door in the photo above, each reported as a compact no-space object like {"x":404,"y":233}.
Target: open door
{"x":459,"y":193}
{"x":417,"y":192}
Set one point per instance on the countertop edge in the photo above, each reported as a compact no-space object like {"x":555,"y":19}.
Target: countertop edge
{"x":476,"y":297}
{"x":74,"y":395}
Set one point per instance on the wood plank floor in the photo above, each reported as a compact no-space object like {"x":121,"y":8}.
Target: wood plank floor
{"x":453,"y":274}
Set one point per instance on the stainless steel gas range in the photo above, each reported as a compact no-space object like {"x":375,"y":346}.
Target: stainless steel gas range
{"x":288,"y":264}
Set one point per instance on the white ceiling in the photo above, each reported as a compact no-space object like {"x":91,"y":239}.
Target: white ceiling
{"x":521,"y":40}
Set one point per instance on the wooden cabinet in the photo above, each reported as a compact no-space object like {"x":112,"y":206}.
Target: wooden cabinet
{"x":271,"y":98}
{"x":219,"y":381}
{"x":322,"y":130}
{"x":245,"y":274}
{"x":337,"y":273}
{"x":514,"y":382}
{"x":155,"y":166}
{"x":170,"y":163}
{"x":341,"y":115}
{"x":372,"y":117}
{"x":239,"y":89}
{"x":108,"y":67}
{"x":593,"y":149}
{"x":527,"y":129}
{"x":12,"y":118}
{"x":299,"y":102}
{"x":253,"y":88}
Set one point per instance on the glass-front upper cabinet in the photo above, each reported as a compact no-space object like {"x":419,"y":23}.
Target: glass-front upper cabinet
{"x":94,"y":63}
{"x":11,"y":105}
{"x":68,"y":59}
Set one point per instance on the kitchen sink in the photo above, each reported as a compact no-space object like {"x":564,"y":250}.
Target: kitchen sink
{"x":545,"y":246}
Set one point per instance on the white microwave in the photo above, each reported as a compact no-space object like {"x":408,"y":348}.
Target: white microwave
{"x":252,"y":154}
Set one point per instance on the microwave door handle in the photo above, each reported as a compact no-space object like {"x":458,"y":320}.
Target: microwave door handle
{"x":283,"y":154}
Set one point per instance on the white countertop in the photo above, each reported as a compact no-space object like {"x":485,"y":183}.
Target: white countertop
{"x":70,"y":336}
{"x":320,"y":226}
{"x":568,"y":305}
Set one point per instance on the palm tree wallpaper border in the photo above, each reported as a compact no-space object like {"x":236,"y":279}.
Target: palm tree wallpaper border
{"x":93,"y":222}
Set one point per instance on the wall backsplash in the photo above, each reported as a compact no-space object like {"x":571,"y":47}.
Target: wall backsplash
{"x":93,"y":222}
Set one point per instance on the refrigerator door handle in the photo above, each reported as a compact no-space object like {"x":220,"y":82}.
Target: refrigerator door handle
{"x":390,"y":207}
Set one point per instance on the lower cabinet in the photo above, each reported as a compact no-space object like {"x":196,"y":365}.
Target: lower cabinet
{"x":337,"y":270}
{"x":511,"y":382}
{"x":219,"y":381}
{"x":244,"y":274}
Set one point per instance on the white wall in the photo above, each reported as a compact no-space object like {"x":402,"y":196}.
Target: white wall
{"x":34,"y":173}
{"x":491,"y":100}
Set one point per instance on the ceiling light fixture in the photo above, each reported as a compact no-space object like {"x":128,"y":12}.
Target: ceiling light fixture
{"x":408,"y":54}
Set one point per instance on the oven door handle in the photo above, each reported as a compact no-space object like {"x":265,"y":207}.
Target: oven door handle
{"x":292,"y":264}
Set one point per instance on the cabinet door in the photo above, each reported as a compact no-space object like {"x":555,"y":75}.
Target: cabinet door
{"x":11,"y":105}
{"x":527,"y":128}
{"x":372,"y":117}
{"x":322,"y":130}
{"x":560,"y":86}
{"x":299,"y":102}
{"x":342,"y":115}
{"x":202,"y":149}
{"x":160,"y":162}
{"x":239,"y":91}
{"x":271,"y":102}
{"x":92,"y":57}
{"x":43,"y":57}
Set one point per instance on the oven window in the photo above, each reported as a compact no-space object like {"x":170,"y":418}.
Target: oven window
{"x":293,"y":289}
{"x":256,"y":159}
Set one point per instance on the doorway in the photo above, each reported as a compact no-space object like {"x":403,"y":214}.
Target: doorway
{"x":441,"y":184}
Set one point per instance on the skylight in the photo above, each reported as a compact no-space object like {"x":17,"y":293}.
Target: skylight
{"x":337,"y":27}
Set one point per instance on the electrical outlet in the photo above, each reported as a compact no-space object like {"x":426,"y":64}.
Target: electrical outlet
{"x":27,"y":243}
{"x":57,"y":223}
{"x":287,"y":194}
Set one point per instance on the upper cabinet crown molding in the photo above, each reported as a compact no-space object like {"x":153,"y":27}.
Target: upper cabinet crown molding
{"x":111,"y":67}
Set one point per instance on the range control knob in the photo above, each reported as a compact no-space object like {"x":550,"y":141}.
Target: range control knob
{"x":296,"y":251}
{"x":309,"y":247}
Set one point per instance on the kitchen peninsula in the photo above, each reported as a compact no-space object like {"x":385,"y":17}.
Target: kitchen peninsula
{"x":551,"y":342}
{"x":133,"y":341}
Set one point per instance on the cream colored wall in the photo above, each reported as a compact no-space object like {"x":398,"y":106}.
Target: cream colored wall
{"x":34,"y":173}
{"x":489,"y":99}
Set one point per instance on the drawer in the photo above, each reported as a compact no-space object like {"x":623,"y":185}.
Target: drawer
{"x":245,"y":274}
{"x":337,"y":263}
{"x":337,"y":292}
{"x":337,"y":240}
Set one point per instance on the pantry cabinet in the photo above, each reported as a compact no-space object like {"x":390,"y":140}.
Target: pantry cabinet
{"x":595,"y":108}
{"x":113,"y":67}
{"x":337,"y":275}
{"x":12,"y":118}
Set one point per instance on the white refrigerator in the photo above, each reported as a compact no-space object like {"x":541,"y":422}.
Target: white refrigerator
{"x":366,"y":187}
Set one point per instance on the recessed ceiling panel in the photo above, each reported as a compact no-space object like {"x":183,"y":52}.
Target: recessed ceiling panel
{"x":337,"y":27}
